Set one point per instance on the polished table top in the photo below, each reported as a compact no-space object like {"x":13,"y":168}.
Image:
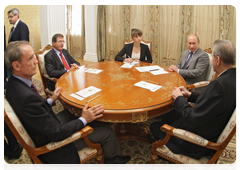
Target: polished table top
{"x":122,"y":101}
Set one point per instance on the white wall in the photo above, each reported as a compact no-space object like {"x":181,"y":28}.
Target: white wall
{"x":52,"y":21}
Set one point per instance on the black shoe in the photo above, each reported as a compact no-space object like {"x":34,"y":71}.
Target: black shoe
{"x":17,"y":154}
{"x":151,"y":138}
{"x":9,"y":156}
{"x":117,"y":160}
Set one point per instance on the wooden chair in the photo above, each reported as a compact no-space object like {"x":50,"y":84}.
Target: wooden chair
{"x":211,"y":74}
{"x":159,"y":147}
{"x":43,"y":72}
{"x":148,"y":43}
{"x":94,"y":150}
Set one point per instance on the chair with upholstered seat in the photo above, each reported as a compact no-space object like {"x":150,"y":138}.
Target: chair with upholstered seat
{"x":159,"y":147}
{"x":211,"y":74}
{"x":41,"y":65}
{"x":86,"y":154}
{"x":148,"y":43}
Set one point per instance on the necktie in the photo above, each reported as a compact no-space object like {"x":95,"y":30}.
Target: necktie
{"x":34,"y":88}
{"x":189,"y":58}
{"x":64,"y":61}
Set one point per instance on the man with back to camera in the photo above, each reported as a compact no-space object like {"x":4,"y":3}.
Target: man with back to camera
{"x":194,"y":63}
{"x":58,"y":60}
{"x":38,"y":118}
{"x":213,"y":106}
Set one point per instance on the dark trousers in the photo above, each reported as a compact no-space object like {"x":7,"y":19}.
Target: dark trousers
{"x":168,"y":118}
{"x":12,"y":146}
{"x":101,"y":134}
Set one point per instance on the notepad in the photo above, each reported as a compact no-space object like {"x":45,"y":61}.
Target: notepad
{"x":149,"y":86}
{"x":76,"y":96}
{"x":88,"y":91}
{"x":126,"y":65}
{"x":158,"y":72}
{"x":93,"y":70}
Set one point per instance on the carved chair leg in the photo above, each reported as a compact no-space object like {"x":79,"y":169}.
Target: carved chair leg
{"x":153,"y":158}
{"x":99,"y":159}
{"x":34,"y":165}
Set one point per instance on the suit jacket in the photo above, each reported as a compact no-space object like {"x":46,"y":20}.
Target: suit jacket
{"x":127,"y":49}
{"x":20,"y":33}
{"x":54,"y":65}
{"x":41,"y":122}
{"x":212,"y":111}
{"x":197,"y":67}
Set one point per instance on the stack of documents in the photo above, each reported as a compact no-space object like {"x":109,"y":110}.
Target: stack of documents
{"x":93,"y":70}
{"x":149,"y":86}
{"x":82,"y":94}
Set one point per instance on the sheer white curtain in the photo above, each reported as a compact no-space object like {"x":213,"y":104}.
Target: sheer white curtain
{"x":75,"y":30}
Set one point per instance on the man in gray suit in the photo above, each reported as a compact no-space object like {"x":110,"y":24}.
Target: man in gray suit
{"x":194,"y":63}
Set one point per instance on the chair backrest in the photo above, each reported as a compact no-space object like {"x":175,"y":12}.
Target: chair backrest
{"x":148,"y":43}
{"x":40,"y":57}
{"x":16,"y":126}
{"x":211,"y":72}
{"x":228,"y":128}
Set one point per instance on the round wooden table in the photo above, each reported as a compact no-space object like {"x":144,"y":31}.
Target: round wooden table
{"x":123,"y":102}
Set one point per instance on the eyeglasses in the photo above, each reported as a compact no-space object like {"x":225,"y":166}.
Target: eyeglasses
{"x":11,"y":16}
{"x":60,"y":41}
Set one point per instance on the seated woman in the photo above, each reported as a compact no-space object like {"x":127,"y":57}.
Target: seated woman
{"x":135,"y":51}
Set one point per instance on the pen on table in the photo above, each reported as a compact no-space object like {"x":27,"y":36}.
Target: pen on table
{"x":93,"y":98}
{"x":153,"y":82}
{"x":154,"y":70}
{"x":79,"y":95}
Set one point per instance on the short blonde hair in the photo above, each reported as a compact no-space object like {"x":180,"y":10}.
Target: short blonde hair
{"x":135,"y":32}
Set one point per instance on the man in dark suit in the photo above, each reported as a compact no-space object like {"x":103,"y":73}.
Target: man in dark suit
{"x":19,"y":30}
{"x":39,"y":120}
{"x":12,"y":148}
{"x":194,"y":63}
{"x":58,"y":60}
{"x":213,"y":107}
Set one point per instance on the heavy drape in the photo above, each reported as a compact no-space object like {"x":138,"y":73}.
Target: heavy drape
{"x":75,"y":43}
{"x":167,"y":26}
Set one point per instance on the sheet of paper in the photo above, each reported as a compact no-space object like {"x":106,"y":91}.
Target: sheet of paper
{"x":148,"y":68}
{"x":76,"y":96}
{"x":93,"y":70}
{"x":132,"y":63}
{"x":158,"y":72}
{"x":149,"y":86}
{"x":88,"y":91}
{"x":126,"y":65}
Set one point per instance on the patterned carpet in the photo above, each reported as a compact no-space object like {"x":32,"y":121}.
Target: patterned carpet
{"x":140,"y":152}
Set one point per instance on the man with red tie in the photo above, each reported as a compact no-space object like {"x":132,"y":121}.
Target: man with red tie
{"x":42,"y":124}
{"x":58,"y":60}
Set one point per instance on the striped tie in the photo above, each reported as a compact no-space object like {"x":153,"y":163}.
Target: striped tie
{"x":189,"y":58}
{"x":34,"y":88}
